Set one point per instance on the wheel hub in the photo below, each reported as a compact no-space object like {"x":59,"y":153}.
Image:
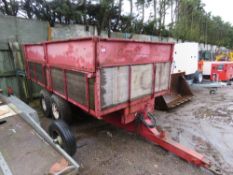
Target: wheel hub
{"x":58,"y":140}
{"x":55,"y":111}
{"x":44,"y":107}
{"x":200,"y":78}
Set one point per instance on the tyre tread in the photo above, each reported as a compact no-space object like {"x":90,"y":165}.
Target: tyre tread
{"x":67,"y":136}
{"x":63,"y":108}
{"x":46,"y":95}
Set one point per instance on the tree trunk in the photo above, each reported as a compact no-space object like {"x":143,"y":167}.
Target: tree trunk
{"x":27,"y":8}
{"x":85,"y":14}
{"x":143,"y":11}
{"x":8,"y":6}
{"x":191,"y":28}
{"x":172,"y":14}
{"x":131,"y":8}
{"x":160,"y":14}
{"x":131,"y":16}
{"x":119,"y":14}
{"x":155,"y":12}
{"x":110,"y":19}
{"x":177,"y":10}
{"x":109,"y":27}
{"x":164,"y":12}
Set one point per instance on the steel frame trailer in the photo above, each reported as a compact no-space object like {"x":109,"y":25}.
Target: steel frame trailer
{"x":22,"y":138}
{"x":111,"y":79}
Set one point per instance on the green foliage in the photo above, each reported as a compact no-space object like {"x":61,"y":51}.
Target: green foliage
{"x":9,"y":7}
{"x":189,"y":21}
{"x":195,"y":24}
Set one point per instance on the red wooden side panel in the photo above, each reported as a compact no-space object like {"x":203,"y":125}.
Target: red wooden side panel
{"x":35,"y":53}
{"x":123,"y":52}
{"x":73,"y":54}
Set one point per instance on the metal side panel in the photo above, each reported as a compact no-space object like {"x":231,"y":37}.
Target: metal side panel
{"x":165,"y":76}
{"x":78,"y":55}
{"x":91,"y":90}
{"x":35,"y":52}
{"x":141,"y":80}
{"x":31,"y":70}
{"x":40,"y":73}
{"x":162,"y":76}
{"x":114,"y":85}
{"x":76,"y":86}
{"x":127,"y":52}
{"x":58,"y":80}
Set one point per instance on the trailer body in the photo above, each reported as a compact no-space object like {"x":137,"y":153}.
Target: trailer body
{"x":222,"y":71}
{"x":111,"y":79}
{"x":102,"y":76}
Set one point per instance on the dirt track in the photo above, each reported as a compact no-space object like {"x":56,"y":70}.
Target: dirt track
{"x":204,"y":124}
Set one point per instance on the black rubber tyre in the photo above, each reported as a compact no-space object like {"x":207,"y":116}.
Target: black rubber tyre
{"x":62,"y":135}
{"x":198,"y":77}
{"x":45,"y":103}
{"x":60,"y":109}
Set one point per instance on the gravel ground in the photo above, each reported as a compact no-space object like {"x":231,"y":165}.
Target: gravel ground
{"x":204,"y":124}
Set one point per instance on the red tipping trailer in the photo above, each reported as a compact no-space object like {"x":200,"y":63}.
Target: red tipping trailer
{"x":111,"y":79}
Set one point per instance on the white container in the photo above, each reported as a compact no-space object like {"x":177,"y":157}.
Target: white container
{"x":186,"y":58}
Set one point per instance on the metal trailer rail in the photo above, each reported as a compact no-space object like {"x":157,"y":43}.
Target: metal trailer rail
{"x":212,"y":86}
{"x":30,"y":116}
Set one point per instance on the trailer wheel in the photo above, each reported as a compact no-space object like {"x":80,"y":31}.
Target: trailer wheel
{"x":45,"y":102}
{"x":60,"y":109}
{"x":198,"y":77}
{"x":62,"y":135}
